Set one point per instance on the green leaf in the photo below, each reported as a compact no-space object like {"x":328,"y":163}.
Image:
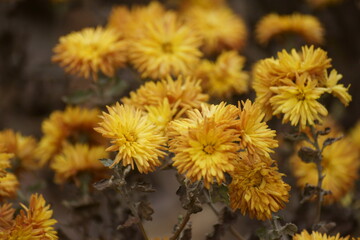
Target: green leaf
{"x":330,"y":141}
{"x":78,"y":96}
{"x":289,"y":229}
{"x":106,"y":162}
{"x":308,"y":154}
{"x":219,"y":193}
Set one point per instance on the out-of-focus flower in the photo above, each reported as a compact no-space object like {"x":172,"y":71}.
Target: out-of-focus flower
{"x":307,"y":26}
{"x":22,"y":147}
{"x":5,"y":162}
{"x":167,"y":47}
{"x":138,"y":141}
{"x":224,"y":77}
{"x":257,"y":188}
{"x":33,"y":222}
{"x":340,"y":165}
{"x":9,"y":184}
{"x":256,"y":136}
{"x":354,"y":135}
{"x":205,"y":143}
{"x":219,"y":27}
{"x":131,"y":22}
{"x":73,"y":125}
{"x":6,"y":216}
{"x":304,"y":235}
{"x":186,"y":4}
{"x":292,"y":84}
{"x":78,"y":159}
{"x":182,"y":94}
{"x":90,"y":51}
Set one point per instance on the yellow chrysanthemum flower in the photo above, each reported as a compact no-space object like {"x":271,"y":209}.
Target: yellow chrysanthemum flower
{"x":224,"y":77}
{"x":9,"y":184}
{"x":90,"y":51}
{"x":182,"y":94}
{"x":5,"y":162}
{"x":137,"y":140}
{"x":131,"y":23}
{"x":6,"y":217}
{"x":256,"y":136}
{"x":162,"y":114}
{"x":22,"y":147}
{"x":33,"y":222}
{"x":257,"y":188}
{"x":298,"y":102}
{"x":167,"y":47}
{"x":354,"y":135}
{"x":73,"y":125}
{"x":307,"y":26}
{"x":205,"y":143}
{"x":219,"y":27}
{"x":292,"y":84}
{"x":340,"y":166}
{"x":77,"y":159}
{"x":304,"y":235}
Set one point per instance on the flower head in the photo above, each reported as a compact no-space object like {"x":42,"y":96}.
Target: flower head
{"x":304,"y":235}
{"x":340,"y":165}
{"x":224,"y":77}
{"x":138,"y":141}
{"x":306,"y":26}
{"x":292,"y":84}
{"x":257,"y":188}
{"x":23,"y":148}
{"x":72,"y":125}
{"x":204,"y":144}
{"x":77,"y":159}
{"x":33,"y":222}
{"x":161,"y":114}
{"x":181,"y":93}
{"x":256,"y":136}
{"x":9,"y":185}
{"x":167,"y":47}
{"x":6,"y":216}
{"x":90,"y":51}
{"x":219,"y":27}
{"x":5,"y":162}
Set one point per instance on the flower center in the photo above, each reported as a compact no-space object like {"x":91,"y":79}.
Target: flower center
{"x":208,"y":149}
{"x":130,"y":137}
{"x":257,"y":179}
{"x":301,"y":95}
{"x":167,"y":47}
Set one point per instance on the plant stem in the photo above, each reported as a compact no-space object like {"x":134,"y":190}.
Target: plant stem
{"x":320,"y":193}
{"x":182,"y":226}
{"x":233,"y":231}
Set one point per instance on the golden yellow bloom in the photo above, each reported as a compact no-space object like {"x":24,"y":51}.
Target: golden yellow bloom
{"x":256,"y":136}
{"x":89,"y":51}
{"x":162,"y":114}
{"x":77,"y":159}
{"x":22,"y":147}
{"x":298,"y":102}
{"x":5,"y":162}
{"x":292,"y":83}
{"x":72,"y":125}
{"x":186,"y":4}
{"x":9,"y":184}
{"x":219,"y":27}
{"x":6,"y":216}
{"x":307,"y":26}
{"x":131,"y":23}
{"x":304,"y":235}
{"x":224,"y":77}
{"x":257,"y":189}
{"x":354,"y":135}
{"x":167,"y":47}
{"x":33,"y":223}
{"x":205,"y":143}
{"x":340,"y":166}
{"x":137,"y":140}
{"x":338,"y":90}
{"x":182,"y":94}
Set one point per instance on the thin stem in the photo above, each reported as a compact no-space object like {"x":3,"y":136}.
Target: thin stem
{"x":233,"y":231}
{"x":182,"y":226}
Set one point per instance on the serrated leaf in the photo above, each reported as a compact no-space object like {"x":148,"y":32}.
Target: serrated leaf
{"x":129,"y":222}
{"x":103,"y":184}
{"x":289,"y":229}
{"x":330,"y":141}
{"x":145,"y":210}
{"x":106,"y":162}
{"x":296,"y":136}
{"x":326,"y":131}
{"x":308,"y":154}
{"x":219,"y":193}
